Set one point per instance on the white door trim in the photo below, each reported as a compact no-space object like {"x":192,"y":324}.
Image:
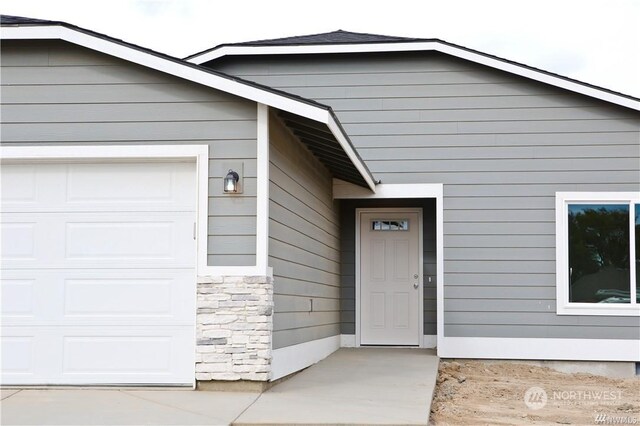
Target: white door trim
{"x":387,"y":210}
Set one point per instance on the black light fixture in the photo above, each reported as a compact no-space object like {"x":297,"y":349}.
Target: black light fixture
{"x":231,"y":182}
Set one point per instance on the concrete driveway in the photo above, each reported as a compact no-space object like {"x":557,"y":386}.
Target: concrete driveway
{"x":352,"y":386}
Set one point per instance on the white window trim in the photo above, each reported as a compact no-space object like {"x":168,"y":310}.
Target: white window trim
{"x":563,"y":306}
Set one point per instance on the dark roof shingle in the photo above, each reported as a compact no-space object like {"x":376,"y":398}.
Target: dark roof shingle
{"x":334,"y":37}
{"x":21,"y":20}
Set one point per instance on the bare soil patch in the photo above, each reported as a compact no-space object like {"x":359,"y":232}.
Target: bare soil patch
{"x":503,"y":393}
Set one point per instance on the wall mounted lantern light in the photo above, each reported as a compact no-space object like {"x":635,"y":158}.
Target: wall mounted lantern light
{"x":231,"y":182}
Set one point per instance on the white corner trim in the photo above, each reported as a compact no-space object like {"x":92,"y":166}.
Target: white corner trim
{"x":262,"y":190}
{"x":541,"y":348}
{"x":440,"y":269}
{"x":294,"y":358}
{"x":351,"y":153}
{"x":345,"y":190}
{"x":347,"y":340}
{"x":438,"y":46}
{"x":429,"y":341}
{"x":563,"y":306}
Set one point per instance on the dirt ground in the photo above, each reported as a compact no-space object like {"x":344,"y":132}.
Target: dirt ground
{"x":502,"y":393}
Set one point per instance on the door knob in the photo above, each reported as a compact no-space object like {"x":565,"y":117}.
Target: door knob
{"x":416,"y":285}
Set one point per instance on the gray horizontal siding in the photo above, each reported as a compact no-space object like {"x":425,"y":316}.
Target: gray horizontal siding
{"x":502,"y":146}
{"x":303,"y":243}
{"x":57,"y":93}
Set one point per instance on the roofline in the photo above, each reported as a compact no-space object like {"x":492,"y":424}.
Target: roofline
{"x":179,"y":68}
{"x":425,"y":45}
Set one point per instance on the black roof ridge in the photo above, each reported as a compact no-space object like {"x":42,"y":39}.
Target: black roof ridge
{"x":23,"y":20}
{"x":19,"y":20}
{"x":42,"y":22}
{"x":380,"y":38}
{"x":437,"y":40}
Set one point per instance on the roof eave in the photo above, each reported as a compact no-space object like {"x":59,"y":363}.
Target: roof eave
{"x":429,"y":45}
{"x":178,"y":68}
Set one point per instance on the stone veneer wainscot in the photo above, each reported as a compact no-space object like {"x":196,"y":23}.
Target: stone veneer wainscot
{"x":233,"y":328}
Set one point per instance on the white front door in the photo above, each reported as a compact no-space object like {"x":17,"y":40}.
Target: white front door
{"x":98,"y":273}
{"x":390,"y":278}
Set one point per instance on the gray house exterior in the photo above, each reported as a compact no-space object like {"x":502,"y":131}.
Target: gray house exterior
{"x":392,"y":191}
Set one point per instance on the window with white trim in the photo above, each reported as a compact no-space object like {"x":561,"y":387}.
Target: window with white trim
{"x":598,"y":253}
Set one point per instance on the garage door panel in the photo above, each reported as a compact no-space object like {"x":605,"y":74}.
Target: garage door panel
{"x":97,"y":355}
{"x":117,"y":297}
{"x":98,"y":240}
{"x":116,"y":354}
{"x":17,"y":355}
{"x":158,"y":184}
{"x":132,"y":240}
{"x":98,"y":272}
{"x":97,"y":297}
{"x":105,"y":186}
{"x":18,"y":239}
{"x":17,"y":297}
{"x":18,"y":185}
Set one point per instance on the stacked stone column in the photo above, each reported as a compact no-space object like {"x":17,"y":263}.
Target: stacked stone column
{"x":234,"y":326}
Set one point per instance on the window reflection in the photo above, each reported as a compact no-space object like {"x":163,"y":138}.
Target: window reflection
{"x":599,"y":253}
{"x":390,"y":225}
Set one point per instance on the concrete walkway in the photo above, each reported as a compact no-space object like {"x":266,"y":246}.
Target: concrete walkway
{"x":352,"y":386}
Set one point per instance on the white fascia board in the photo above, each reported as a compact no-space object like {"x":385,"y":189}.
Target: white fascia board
{"x":56,"y":32}
{"x":422,"y":46}
{"x":350,"y":151}
{"x":192,"y":74}
{"x":307,"y":49}
{"x":346,"y":190}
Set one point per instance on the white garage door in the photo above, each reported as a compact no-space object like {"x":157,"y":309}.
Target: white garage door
{"x":98,"y":273}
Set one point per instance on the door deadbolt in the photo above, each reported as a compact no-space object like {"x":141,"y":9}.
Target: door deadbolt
{"x":415,"y":276}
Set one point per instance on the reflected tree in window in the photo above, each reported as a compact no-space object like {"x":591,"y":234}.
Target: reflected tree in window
{"x":599,"y":253}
